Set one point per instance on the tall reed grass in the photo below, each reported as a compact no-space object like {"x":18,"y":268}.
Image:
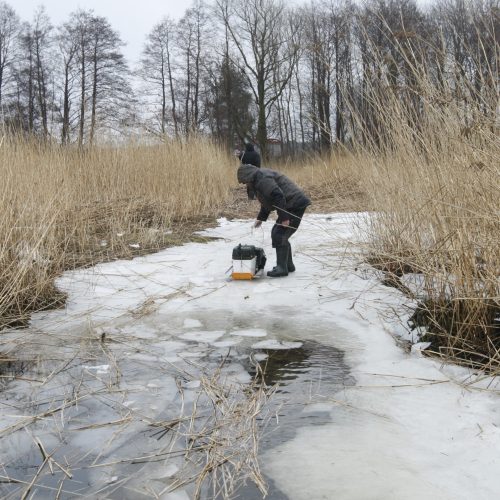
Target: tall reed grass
{"x":435,"y":187}
{"x":64,"y":207}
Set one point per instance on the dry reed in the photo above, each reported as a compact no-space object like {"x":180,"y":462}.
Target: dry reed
{"x":64,"y":207}
{"x":222,"y":436}
{"x":434,"y":182}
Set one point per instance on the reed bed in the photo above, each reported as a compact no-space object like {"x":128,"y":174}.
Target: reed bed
{"x":63,"y":207}
{"x":434,"y":184}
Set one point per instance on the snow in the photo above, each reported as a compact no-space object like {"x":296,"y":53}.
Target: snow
{"x":407,"y":426}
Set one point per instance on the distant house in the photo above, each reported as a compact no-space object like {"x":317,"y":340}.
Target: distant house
{"x":274,"y":148}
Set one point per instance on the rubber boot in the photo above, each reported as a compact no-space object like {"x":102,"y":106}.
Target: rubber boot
{"x":290,"y":266}
{"x":281,"y":268}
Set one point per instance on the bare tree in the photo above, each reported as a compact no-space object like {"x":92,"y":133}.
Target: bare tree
{"x":108,"y":73}
{"x":9,"y":28}
{"x":193,"y":39}
{"x":316,"y":76}
{"x":157,"y":70}
{"x":264,"y":35}
{"x":42,"y":41}
{"x":321,"y":51}
{"x":104,"y":89}
{"x":68,"y":48}
{"x":78,"y":29}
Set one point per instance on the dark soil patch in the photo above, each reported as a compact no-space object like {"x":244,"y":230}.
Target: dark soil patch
{"x":396,"y":267}
{"x":467,"y":330}
{"x":10,"y":368}
{"x":18,"y":315}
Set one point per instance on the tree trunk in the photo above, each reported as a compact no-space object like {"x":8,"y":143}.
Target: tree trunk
{"x":163,"y":96}
{"x":31,"y":98}
{"x":172,"y":93}
{"x":94,"y":101}
{"x":301,"y":110}
{"x":82,"y":97}
{"x":42,"y":93}
{"x":65,"y":125}
{"x":261,"y":119}
{"x":188,"y":94}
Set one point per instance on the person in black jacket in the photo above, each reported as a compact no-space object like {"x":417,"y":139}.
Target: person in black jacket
{"x":250,"y":156}
{"x":277,"y":192}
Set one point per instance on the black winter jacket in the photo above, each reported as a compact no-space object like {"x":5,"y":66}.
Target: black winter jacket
{"x":250,"y":156}
{"x":274,"y":191}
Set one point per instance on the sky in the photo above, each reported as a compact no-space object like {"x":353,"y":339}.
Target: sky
{"x":131,"y":18}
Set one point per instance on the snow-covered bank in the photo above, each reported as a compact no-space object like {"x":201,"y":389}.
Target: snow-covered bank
{"x":133,"y":331}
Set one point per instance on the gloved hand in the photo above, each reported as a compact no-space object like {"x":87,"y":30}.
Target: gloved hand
{"x":257,"y":223}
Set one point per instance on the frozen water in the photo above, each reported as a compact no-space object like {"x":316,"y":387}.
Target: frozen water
{"x":206,"y":336}
{"x":355,"y":417}
{"x":276,"y":344}
{"x":251,"y":332}
{"x":226,"y":343}
{"x":192,"y":323}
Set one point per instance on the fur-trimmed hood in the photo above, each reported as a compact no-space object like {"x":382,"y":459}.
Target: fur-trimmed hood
{"x":247,"y":173}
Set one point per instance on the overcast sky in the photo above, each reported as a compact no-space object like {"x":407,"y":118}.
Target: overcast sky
{"x":133,"y":19}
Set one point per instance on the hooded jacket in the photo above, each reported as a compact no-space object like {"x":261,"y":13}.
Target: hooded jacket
{"x":250,"y":156}
{"x":274,"y":191}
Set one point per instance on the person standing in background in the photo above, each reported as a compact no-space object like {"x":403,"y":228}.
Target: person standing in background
{"x":250,"y":157}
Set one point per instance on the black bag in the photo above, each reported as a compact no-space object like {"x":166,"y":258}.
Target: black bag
{"x":248,"y":252}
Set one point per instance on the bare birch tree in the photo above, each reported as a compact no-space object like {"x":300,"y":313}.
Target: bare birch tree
{"x":156,"y":69}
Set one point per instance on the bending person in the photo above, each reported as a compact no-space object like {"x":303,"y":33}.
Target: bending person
{"x":277,"y":192}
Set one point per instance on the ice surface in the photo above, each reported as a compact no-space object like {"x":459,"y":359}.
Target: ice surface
{"x":206,"y":336}
{"x":226,"y":343}
{"x":192,"y":323}
{"x":276,"y":345}
{"x":408,"y":428}
{"x":251,"y":332}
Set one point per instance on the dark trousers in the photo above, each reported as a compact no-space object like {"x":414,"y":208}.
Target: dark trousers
{"x":280,"y":234}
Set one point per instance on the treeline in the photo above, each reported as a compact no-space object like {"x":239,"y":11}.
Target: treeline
{"x":309,"y":77}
